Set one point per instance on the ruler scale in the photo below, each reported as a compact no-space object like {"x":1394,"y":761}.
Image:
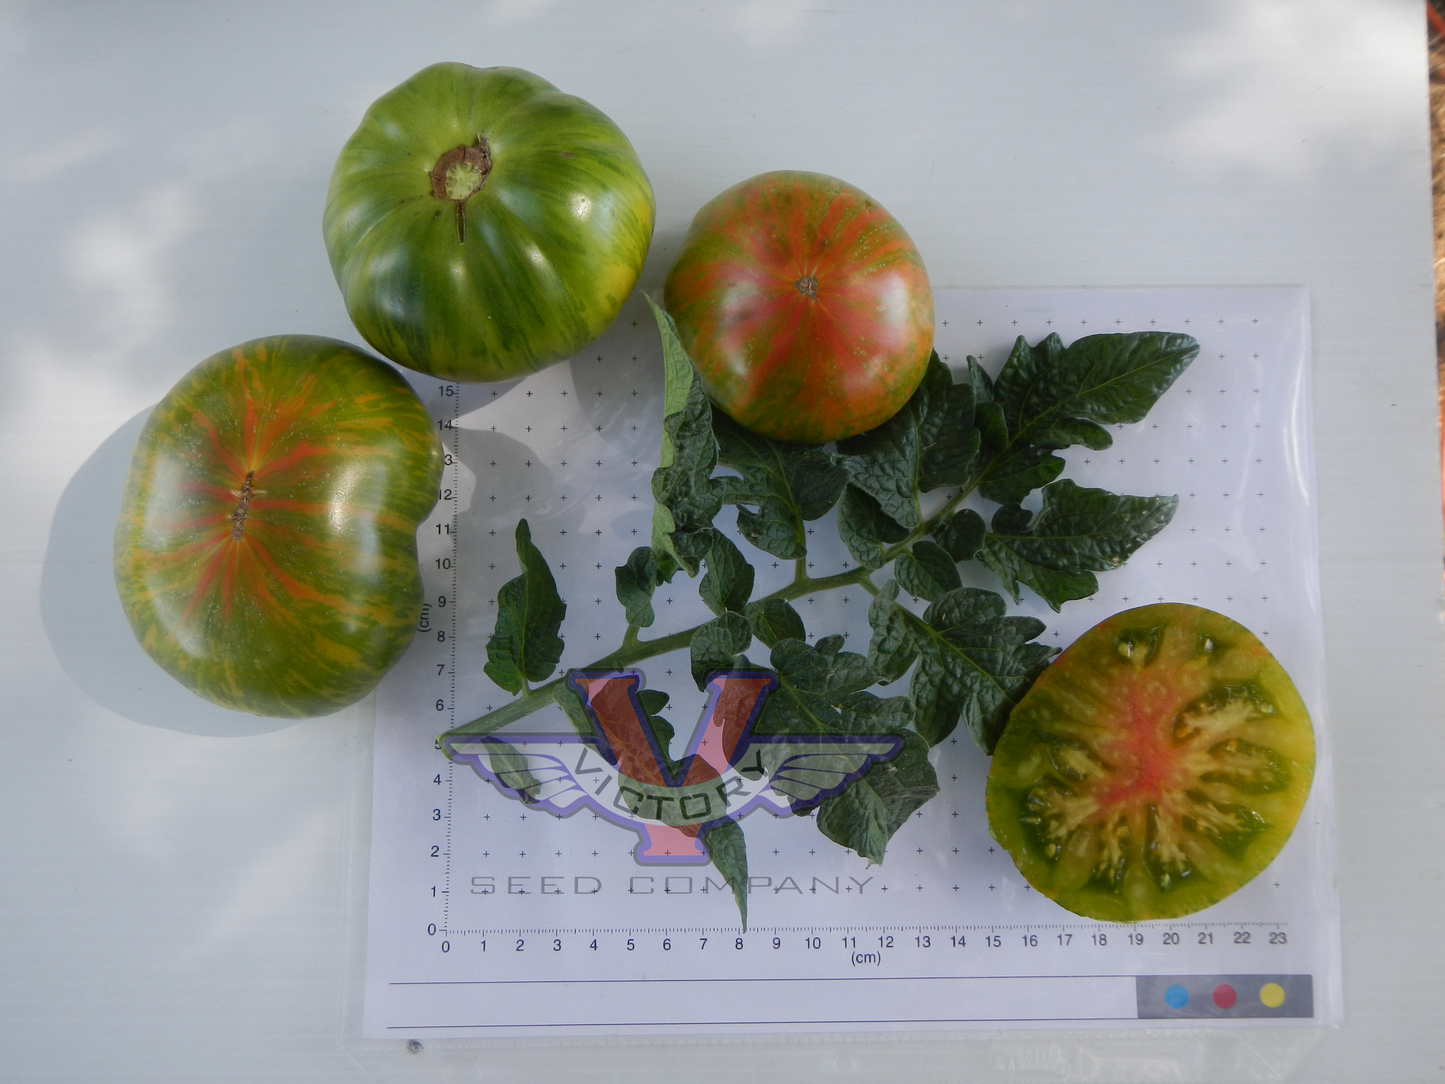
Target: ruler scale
{"x":489,"y":917}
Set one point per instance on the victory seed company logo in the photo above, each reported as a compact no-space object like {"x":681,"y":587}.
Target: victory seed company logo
{"x":620,"y":773}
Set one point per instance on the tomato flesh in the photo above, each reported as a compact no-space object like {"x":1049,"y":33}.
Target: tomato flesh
{"x":1155,"y":767}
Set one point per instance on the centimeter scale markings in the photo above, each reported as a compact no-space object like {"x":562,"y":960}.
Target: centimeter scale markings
{"x":883,"y":937}
{"x":1203,"y":932}
{"x":447,"y":528}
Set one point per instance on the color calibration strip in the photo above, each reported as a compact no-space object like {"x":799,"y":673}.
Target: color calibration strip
{"x":1176,"y":997}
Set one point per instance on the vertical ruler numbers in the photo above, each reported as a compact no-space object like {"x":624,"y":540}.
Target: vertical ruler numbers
{"x":438,"y":631}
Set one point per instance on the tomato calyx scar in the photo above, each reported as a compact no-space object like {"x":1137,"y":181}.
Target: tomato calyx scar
{"x":459,"y":175}
{"x":808,"y":286}
{"x":243,"y":507}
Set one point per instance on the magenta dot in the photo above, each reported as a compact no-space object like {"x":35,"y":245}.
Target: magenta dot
{"x":1224,"y":996}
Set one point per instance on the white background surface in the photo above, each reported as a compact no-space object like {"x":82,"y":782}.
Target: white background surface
{"x":179,"y":882}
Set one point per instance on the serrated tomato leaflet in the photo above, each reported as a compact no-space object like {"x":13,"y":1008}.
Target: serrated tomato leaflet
{"x":524,"y":645}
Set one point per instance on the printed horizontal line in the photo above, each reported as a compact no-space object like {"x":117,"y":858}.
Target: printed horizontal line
{"x":735,"y":978}
{"x":771,"y":1023}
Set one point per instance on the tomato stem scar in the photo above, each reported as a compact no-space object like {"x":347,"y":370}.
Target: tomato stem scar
{"x":458,"y":175}
{"x":238,"y":517}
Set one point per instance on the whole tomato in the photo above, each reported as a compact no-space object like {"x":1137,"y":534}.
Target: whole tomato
{"x":804,"y":305}
{"x":482,"y":224}
{"x":266,"y":552}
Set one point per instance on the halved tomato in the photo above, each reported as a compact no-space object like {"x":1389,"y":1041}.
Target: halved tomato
{"x":1157,"y":765}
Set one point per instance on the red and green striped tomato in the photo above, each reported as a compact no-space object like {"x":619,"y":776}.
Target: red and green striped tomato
{"x":804,"y":306}
{"x":482,"y":224}
{"x":266,"y":552}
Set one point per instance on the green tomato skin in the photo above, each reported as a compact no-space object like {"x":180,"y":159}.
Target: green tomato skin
{"x":266,"y":553}
{"x":550,"y":246}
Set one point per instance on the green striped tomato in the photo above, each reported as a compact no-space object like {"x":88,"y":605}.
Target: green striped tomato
{"x":266,"y":552}
{"x":482,"y":224}
{"x":804,"y":305}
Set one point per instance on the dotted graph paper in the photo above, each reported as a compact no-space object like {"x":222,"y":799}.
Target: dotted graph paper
{"x":488,"y":918}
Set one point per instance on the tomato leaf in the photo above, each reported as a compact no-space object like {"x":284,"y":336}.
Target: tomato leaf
{"x":960,"y":534}
{"x":973,"y":661}
{"x":772,"y":620}
{"x":1017,"y":473}
{"x":824,"y":690}
{"x":686,"y":491}
{"x":717,"y":646}
{"x":969,"y":660}
{"x":821,"y":690}
{"x":636,"y":580}
{"x":930,"y":443}
{"x":865,"y":528}
{"x":653,"y":701}
{"x":524,"y":645}
{"x":729,"y":853}
{"x":927,"y":571}
{"x":892,"y":649}
{"x":1077,"y":532}
{"x":1099,"y":378}
{"x":866,"y":815}
{"x":1048,"y":397}
{"x":678,"y":375}
{"x":728,"y":583}
{"x":687,"y":497}
{"x":788,"y":484}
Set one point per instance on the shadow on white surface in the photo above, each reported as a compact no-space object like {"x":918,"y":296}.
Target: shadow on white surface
{"x":83,"y":618}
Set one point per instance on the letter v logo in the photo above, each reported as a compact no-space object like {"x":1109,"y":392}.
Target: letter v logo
{"x":622,"y":773}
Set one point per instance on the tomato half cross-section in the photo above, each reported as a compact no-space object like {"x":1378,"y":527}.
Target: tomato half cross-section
{"x":804,"y":305}
{"x":266,"y":553}
{"x":1156,"y":766}
{"x":483,"y":224}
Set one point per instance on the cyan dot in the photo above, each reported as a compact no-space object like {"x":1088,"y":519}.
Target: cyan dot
{"x":1176,"y":997}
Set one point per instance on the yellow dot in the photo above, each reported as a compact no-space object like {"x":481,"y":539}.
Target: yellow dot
{"x":1272,"y":994}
